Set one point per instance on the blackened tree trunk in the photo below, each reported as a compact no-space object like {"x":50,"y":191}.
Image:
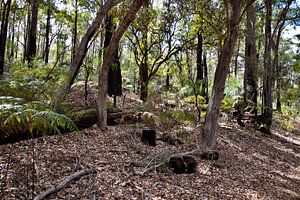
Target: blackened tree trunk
{"x":250,"y":82}
{"x":33,"y":31}
{"x":199,"y":76}
{"x":114,"y":80}
{"x":222,"y":70}
{"x":108,"y":60}
{"x":144,"y":67}
{"x":267,"y":78}
{"x":47,"y":37}
{"x":82,"y":50}
{"x":74,"y":37}
{"x":3,"y":33}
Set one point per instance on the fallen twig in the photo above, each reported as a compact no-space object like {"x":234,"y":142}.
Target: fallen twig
{"x":63,"y":183}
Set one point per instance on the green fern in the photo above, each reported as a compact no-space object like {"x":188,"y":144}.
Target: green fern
{"x":33,"y":118}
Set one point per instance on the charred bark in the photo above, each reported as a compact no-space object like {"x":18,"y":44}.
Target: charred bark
{"x":107,"y":61}
{"x":3,"y":33}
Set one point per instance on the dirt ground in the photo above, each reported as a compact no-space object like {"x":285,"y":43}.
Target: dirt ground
{"x":251,"y":166}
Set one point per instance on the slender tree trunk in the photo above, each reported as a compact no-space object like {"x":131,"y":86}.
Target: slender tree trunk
{"x":144,"y":67}
{"x":250,"y":82}
{"x":107,"y":61}
{"x":277,"y":67}
{"x":74,"y":38}
{"x":47,"y":37}
{"x":199,"y":76}
{"x":236,"y":60}
{"x":82,"y":50}
{"x":12,"y":45}
{"x":205,"y":78}
{"x":168,"y":79}
{"x":144,"y":76}
{"x":33,"y":31}
{"x":267,"y":78}
{"x":3,"y":33}
{"x":211,"y":119}
{"x":17,"y":42}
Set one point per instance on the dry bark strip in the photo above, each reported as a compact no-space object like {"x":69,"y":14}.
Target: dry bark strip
{"x":61,"y":185}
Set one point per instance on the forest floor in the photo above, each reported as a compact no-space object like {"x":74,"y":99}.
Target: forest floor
{"x":251,"y":165}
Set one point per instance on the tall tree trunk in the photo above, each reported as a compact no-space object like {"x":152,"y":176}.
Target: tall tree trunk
{"x":236,"y":60}
{"x":199,"y":76}
{"x":3,"y":33}
{"x":26,"y":34}
{"x":74,"y":37}
{"x":33,"y":31}
{"x":222,"y":70}
{"x":47,"y":37}
{"x":144,"y":67}
{"x":250,"y":82}
{"x":114,"y":72}
{"x":278,"y":31}
{"x":205,"y":78}
{"x":107,"y":61}
{"x":267,"y":78}
{"x":12,"y":45}
{"x":82,"y":50}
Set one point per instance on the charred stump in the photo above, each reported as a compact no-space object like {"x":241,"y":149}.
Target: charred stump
{"x":149,"y":137}
{"x":182,"y":164}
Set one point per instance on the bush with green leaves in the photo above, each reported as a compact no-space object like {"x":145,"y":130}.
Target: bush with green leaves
{"x":21,"y":120}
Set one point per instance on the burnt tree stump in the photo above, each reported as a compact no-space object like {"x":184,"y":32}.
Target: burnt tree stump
{"x":149,"y":137}
{"x":183,"y":164}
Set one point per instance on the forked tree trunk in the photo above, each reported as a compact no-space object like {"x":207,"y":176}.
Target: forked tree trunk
{"x":3,"y":33}
{"x":108,"y":59}
{"x":82,"y":50}
{"x":250,"y":82}
{"x":211,"y":119}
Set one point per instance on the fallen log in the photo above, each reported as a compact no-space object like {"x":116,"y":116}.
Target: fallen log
{"x":61,"y":185}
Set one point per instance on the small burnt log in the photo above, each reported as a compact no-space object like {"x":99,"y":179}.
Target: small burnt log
{"x":210,"y":155}
{"x":149,"y":137}
{"x":183,"y":164}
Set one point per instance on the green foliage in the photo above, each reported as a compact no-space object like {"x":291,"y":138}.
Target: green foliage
{"x":178,"y":115}
{"x":233,"y":87}
{"x":227,"y":103}
{"x":287,"y":118}
{"x":192,"y":99}
{"x":30,"y":118}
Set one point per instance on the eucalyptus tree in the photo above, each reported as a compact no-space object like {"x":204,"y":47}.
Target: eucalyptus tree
{"x":108,"y":59}
{"x":82,"y":50}
{"x":154,"y":40}
{"x":250,"y":74}
{"x":233,"y":15}
{"x":272,"y":39}
{"x":32,"y":34}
